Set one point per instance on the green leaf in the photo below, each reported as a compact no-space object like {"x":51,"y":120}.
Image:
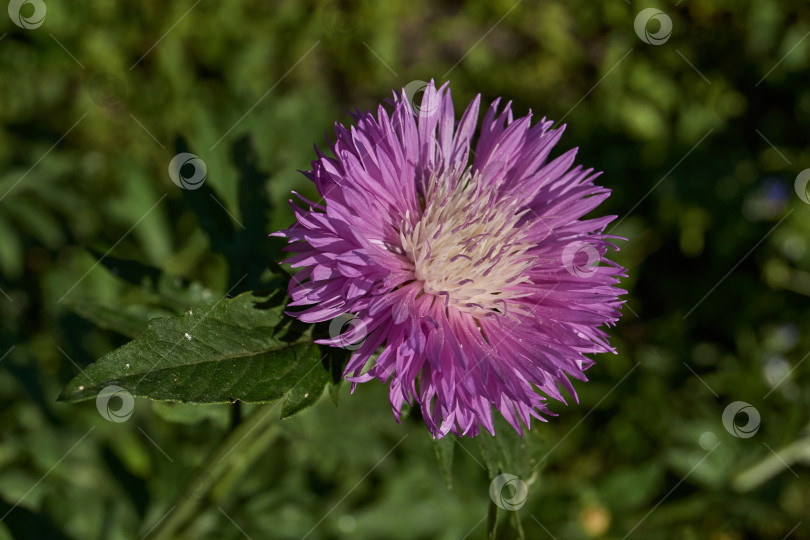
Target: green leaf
{"x":508,"y":453}
{"x":627,"y":488}
{"x":336,"y":362}
{"x":444,"y":448}
{"x":161,"y":287}
{"x":205,"y":203}
{"x":183,"y":413}
{"x":11,"y":250}
{"x":236,"y":349}
{"x":134,"y":272}
{"x":239,"y":235}
{"x":251,"y":250}
{"x":128,"y":321}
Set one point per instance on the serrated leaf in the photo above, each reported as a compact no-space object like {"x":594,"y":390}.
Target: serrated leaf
{"x":236,"y":349}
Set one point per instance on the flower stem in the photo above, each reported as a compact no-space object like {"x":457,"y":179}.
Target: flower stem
{"x":773,"y":464}
{"x":241,"y":446}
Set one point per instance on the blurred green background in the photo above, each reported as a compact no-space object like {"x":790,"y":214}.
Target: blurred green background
{"x":700,"y":138}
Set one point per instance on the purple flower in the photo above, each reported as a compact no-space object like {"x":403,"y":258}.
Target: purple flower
{"x":475,"y":275}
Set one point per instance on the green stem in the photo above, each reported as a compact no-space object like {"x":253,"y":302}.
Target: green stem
{"x":234,"y":454}
{"x":773,"y":464}
{"x":236,"y":414}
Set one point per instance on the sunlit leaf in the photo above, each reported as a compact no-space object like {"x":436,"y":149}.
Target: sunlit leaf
{"x":235,"y":349}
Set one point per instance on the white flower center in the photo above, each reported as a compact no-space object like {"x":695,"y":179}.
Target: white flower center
{"x":466,"y":248}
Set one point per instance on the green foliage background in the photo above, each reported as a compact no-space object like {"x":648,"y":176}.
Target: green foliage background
{"x":701,"y":159}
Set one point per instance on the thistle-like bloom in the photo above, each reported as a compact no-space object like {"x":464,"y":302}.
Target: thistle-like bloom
{"x":475,"y":276}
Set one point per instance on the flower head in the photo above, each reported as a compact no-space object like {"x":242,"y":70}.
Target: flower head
{"x":474,"y":273}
